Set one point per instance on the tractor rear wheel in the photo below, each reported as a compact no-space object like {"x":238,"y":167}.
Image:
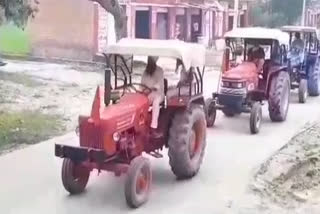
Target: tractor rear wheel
{"x":255,"y":118}
{"x":211,"y":112}
{"x":228,"y":112}
{"x":303,"y":91}
{"x":314,"y":79}
{"x":187,"y":141}
{"x":74,"y":176}
{"x":279,"y":96}
{"x":138,"y":183}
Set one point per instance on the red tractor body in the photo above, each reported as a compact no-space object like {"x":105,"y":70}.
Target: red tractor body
{"x":246,"y":73}
{"x":108,"y":123}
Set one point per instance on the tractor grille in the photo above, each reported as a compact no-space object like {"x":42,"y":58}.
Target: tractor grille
{"x":231,"y":101}
{"x":233,"y":91}
{"x":90,"y":136}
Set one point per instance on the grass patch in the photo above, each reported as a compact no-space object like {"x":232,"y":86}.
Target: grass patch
{"x":19,"y":78}
{"x":27,"y":128}
{"x":13,"y":40}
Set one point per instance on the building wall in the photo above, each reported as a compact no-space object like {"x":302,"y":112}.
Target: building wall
{"x":106,"y":32}
{"x":63,"y":29}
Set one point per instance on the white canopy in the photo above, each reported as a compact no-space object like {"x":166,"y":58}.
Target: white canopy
{"x":304,"y":29}
{"x":259,"y":33}
{"x":192,"y":55}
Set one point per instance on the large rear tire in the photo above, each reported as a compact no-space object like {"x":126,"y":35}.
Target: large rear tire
{"x":138,"y":183}
{"x":187,"y":141}
{"x":211,"y":112}
{"x":279,"y":96}
{"x":74,"y":176}
{"x":314,"y":79}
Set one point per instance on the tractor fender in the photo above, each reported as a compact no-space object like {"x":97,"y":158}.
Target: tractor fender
{"x":197,"y":100}
{"x":274,"y":70}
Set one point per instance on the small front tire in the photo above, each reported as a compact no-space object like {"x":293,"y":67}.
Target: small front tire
{"x":138,"y":182}
{"x":303,"y":91}
{"x":75,"y":176}
{"x":211,"y":112}
{"x":255,"y":118}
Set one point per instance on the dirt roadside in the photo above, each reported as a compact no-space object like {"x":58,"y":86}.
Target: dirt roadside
{"x":289,"y":181}
{"x":42,"y":100}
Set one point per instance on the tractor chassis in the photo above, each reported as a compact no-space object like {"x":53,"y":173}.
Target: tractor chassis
{"x":246,"y":102}
{"x":238,"y":104}
{"x":92,"y":158}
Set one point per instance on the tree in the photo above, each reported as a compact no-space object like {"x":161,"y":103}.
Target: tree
{"x":19,"y":11}
{"x":120,"y":18}
{"x":275,"y":13}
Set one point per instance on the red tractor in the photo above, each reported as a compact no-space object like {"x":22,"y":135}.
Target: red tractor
{"x":116,"y":134}
{"x":254,"y":70}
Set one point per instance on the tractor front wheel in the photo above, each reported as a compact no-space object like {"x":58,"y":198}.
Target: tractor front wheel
{"x":211,"y":112}
{"x":279,"y":96}
{"x":75,"y":176}
{"x":138,"y":183}
{"x":255,"y":118}
{"x":187,"y":141}
{"x":303,"y":91}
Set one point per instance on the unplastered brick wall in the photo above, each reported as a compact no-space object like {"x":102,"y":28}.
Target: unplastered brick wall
{"x":63,"y":29}
{"x":102,"y":29}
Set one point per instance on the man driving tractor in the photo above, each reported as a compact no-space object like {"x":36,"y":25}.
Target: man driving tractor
{"x":257,"y":56}
{"x":153,"y":78}
{"x":298,"y":42}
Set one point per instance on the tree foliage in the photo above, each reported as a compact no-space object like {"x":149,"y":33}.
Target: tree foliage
{"x":120,"y":18}
{"x":19,"y":11}
{"x":275,"y":13}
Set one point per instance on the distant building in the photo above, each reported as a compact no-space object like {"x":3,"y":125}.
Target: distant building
{"x":313,"y":15}
{"x":81,"y":29}
{"x":186,"y":20}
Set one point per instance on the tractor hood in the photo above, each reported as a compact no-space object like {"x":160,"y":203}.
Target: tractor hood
{"x":122,"y":115}
{"x":242,"y":72}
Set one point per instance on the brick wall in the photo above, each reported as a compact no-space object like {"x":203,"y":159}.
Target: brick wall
{"x":63,"y":29}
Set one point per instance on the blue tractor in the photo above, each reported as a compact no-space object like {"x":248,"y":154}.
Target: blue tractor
{"x":303,"y":60}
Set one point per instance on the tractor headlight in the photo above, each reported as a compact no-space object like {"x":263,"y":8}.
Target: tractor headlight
{"x":225,"y":84}
{"x":116,"y":136}
{"x":237,"y":84}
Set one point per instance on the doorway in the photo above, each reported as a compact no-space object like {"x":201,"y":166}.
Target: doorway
{"x":195,"y":27}
{"x":162,"y":26}
{"x":143,"y":24}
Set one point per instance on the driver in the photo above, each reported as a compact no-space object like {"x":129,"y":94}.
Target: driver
{"x":298,"y":42}
{"x":153,"y":78}
{"x":258,"y":57}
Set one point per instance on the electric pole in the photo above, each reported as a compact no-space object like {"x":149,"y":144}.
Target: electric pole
{"x":303,"y":16}
{"x":236,"y":14}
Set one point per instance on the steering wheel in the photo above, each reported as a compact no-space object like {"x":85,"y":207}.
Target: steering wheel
{"x":145,"y":90}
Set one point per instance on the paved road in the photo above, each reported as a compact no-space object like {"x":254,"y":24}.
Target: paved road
{"x":30,"y":178}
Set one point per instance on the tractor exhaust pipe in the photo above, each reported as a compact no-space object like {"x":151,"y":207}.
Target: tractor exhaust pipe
{"x":107,"y":86}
